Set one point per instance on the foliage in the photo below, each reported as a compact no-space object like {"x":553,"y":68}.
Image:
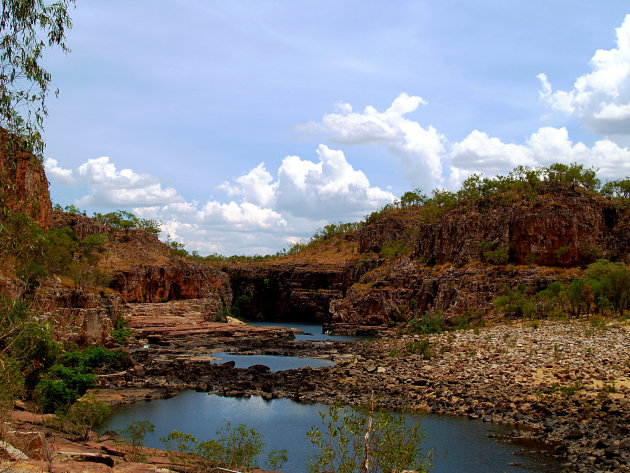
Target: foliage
{"x":122,"y":219}
{"x":521,"y":183}
{"x":61,"y":386}
{"x":23,"y":242}
{"x":604,"y":288}
{"x":86,"y":414}
{"x":235,"y":448}
{"x":71,"y":209}
{"x":11,"y":385}
{"x":394,"y":249}
{"x":494,"y":254}
{"x":429,"y":322}
{"x":421,"y":347}
{"x":515,"y":302}
{"x":121,"y":332}
{"x":135,"y":433}
{"x":73,"y":375}
{"x":367,"y":440}
{"x":34,"y":253}
{"x":26,"y":28}
{"x":617,"y":189}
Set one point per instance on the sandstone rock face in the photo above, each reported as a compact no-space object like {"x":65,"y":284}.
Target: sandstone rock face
{"x":292,"y":291}
{"x":564,"y":229}
{"x":409,"y":290}
{"x":81,"y":225}
{"x":79,"y":316}
{"x":176,"y":280}
{"x":23,"y":185}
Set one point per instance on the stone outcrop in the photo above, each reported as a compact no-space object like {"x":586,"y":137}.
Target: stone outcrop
{"x":23,"y":184}
{"x":176,"y":280}
{"x":410,"y":289}
{"x":568,"y":228}
{"x":79,"y":316}
{"x":292,"y":291}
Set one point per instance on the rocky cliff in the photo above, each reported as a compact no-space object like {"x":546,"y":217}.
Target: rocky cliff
{"x":143,"y":269}
{"x":23,"y":184}
{"x":566,"y":228}
{"x":79,"y":316}
{"x":292,"y":291}
{"x":408,"y":289}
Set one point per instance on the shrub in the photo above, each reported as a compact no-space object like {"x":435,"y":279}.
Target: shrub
{"x":422,"y":347}
{"x":121,"y":332}
{"x":430,"y":322}
{"x":86,"y":414}
{"x":61,"y":386}
{"x":515,"y":303}
{"x":234,"y":448}
{"x":367,"y":440}
{"x":394,"y":249}
{"x":135,"y":433}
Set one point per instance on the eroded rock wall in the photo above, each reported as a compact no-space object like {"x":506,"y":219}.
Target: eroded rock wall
{"x":23,"y":184}
{"x":79,"y":316}
{"x":563,"y":229}
{"x":292,"y":291}
{"x":410,"y":289}
{"x":174,"y":281}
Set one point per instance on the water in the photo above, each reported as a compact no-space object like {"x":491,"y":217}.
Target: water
{"x":284,"y":423}
{"x":275,"y":363}
{"x":312,"y":332}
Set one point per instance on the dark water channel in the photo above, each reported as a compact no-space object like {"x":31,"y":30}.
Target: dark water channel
{"x":275,"y":363}
{"x":462,"y":445}
{"x":311,"y":332}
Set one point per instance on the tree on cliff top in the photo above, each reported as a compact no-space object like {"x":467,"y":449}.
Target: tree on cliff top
{"x":26,"y":28}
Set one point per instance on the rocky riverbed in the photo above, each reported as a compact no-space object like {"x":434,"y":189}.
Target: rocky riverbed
{"x":564,"y":384}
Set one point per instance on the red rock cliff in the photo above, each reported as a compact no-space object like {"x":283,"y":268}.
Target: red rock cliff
{"x":23,"y":184}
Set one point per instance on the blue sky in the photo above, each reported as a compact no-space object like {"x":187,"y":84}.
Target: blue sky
{"x":246,"y":125}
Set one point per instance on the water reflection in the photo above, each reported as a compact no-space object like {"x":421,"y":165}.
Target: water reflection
{"x":274,"y":362}
{"x":462,"y":445}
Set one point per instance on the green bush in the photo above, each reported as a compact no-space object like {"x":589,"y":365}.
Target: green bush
{"x":235,"y":448}
{"x":515,"y":302}
{"x":367,"y":440}
{"x":430,"y":322}
{"x":121,"y":332}
{"x":394,"y":249}
{"x":135,"y":433}
{"x":422,"y":347}
{"x":61,"y":386}
{"x":86,"y":414}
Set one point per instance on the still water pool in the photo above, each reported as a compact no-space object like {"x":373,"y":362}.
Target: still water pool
{"x":462,"y":445}
{"x":312,"y":332}
{"x":275,"y":363}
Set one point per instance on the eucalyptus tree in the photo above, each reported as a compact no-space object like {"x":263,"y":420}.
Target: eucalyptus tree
{"x":27,"y":28}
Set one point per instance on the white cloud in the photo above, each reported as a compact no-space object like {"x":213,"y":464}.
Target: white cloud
{"x":329,"y":189}
{"x":263,"y":213}
{"x":109,"y":187}
{"x":480,"y":153}
{"x":54,"y":171}
{"x":255,"y":186}
{"x":419,"y":149}
{"x":601,"y":98}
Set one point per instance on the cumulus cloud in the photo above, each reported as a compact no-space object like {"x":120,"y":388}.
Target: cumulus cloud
{"x":328,"y":189}
{"x":262,"y":214}
{"x":433,"y":161}
{"x":480,"y":153}
{"x":601,"y":98}
{"x":419,"y":148}
{"x":57,"y":173}
{"x":112,"y":188}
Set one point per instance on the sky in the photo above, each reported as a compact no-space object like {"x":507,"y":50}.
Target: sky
{"x":246,"y":125}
